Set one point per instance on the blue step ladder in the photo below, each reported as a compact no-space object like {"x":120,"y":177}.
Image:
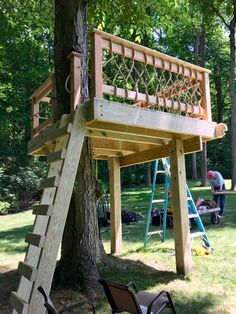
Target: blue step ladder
{"x":193,"y":213}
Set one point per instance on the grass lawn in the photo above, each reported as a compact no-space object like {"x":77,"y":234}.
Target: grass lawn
{"x":210,"y":288}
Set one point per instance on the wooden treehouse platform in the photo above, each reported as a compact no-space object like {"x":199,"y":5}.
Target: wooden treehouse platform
{"x":144,"y":105}
{"x":155,"y":99}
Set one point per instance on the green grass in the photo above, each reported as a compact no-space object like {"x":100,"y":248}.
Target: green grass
{"x":210,"y":288}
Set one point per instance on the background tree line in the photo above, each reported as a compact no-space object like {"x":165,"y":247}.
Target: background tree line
{"x":191,"y":31}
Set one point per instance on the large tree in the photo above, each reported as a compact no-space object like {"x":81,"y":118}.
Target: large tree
{"x":82,"y":250}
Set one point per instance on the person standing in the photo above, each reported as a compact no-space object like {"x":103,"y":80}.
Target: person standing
{"x":217,"y":185}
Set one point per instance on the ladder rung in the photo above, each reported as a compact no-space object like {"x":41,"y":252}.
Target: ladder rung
{"x":161,"y":171}
{"x":35,"y":239}
{"x":189,"y":198}
{"x":59,"y":155}
{"x":154,"y":232}
{"x":193,"y":215}
{"x":158,"y":201}
{"x":50,"y":182}
{"x":196,"y":234}
{"x":27,"y":271}
{"x":44,"y":210}
{"x":18,"y":303}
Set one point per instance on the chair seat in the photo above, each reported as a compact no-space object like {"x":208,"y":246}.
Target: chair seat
{"x":145,"y":298}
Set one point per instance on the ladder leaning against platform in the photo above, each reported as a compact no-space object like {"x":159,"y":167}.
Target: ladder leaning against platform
{"x":43,"y":243}
{"x":192,"y":210}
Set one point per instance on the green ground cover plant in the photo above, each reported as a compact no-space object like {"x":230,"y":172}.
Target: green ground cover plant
{"x":210,"y":288}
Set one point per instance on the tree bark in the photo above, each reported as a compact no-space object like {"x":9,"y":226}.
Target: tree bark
{"x":82,"y":250}
{"x":219,"y":98}
{"x":232,"y":94}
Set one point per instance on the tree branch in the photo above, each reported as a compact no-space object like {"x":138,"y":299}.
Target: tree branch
{"x":217,"y":12}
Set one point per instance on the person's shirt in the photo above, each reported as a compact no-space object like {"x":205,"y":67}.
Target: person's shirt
{"x":218,"y":180}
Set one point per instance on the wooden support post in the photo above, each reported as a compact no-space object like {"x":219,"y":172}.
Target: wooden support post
{"x":206,"y":97}
{"x":115,"y":210}
{"x":97,"y":82}
{"x":75,"y":63}
{"x":180,"y":208}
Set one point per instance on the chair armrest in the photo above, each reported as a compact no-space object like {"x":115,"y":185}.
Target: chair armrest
{"x":149,"y":310}
{"x":133,"y":286}
{"x":74,"y":306}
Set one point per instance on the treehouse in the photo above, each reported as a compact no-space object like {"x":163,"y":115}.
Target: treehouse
{"x":144,"y":105}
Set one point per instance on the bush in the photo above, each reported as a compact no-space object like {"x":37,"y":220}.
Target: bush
{"x":4,"y":206}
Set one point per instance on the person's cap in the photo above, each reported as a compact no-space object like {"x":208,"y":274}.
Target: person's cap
{"x":210,"y":174}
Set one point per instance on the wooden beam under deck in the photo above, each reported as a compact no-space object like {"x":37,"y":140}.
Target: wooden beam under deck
{"x":118,"y":130}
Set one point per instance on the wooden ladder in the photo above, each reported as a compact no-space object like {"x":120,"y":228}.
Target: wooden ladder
{"x":44,"y":242}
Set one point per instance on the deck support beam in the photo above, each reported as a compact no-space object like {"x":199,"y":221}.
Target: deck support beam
{"x":180,"y":208}
{"x":115,"y":200}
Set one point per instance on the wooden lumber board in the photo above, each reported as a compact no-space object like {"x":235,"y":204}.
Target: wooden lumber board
{"x":190,"y":145}
{"x":154,"y":100}
{"x":131,"y":129}
{"x":55,"y":156}
{"x":61,"y":205}
{"x":122,"y":136}
{"x":129,"y":147}
{"x":50,"y":134}
{"x":180,"y":208}
{"x":43,"y":89}
{"x":115,"y":200}
{"x":146,"y":55}
{"x":116,"y":113}
{"x":41,"y":221}
{"x":20,"y":307}
{"x":225,"y":192}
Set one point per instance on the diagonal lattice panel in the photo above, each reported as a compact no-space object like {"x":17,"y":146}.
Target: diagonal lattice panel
{"x":131,"y":75}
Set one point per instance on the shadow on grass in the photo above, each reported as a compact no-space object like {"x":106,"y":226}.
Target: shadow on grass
{"x":147,"y":277}
{"x":12,"y":240}
{"x":197,"y":303}
{"x":125,"y":270}
{"x":8,"y":282}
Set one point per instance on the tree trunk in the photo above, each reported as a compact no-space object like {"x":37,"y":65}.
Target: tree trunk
{"x":219,"y":98}
{"x":194,"y":176}
{"x":233,"y":95}
{"x":82,"y":250}
{"x":204,"y":181}
{"x":148,"y":174}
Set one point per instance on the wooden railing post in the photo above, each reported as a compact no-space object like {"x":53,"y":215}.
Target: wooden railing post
{"x":54,"y":100}
{"x":35,"y":117}
{"x":206,"y":97}
{"x":75,"y":64}
{"x":97,"y":82}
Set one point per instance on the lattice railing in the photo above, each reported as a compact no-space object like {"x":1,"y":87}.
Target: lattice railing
{"x":147,"y":78}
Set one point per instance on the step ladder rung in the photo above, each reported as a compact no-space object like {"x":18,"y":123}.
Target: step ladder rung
{"x":35,"y":239}
{"x":44,"y":210}
{"x":193,"y":216}
{"x":197,"y":234}
{"x":158,"y":201}
{"x":55,"y":156}
{"x":18,"y":303}
{"x":50,"y":182}
{"x":161,"y":171}
{"x":27,"y":271}
{"x":154,"y":232}
{"x":189,"y":198}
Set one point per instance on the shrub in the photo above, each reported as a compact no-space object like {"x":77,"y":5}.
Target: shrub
{"x":4,"y":206}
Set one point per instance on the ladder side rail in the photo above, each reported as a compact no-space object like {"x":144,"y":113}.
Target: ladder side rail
{"x":166,"y":202}
{"x":151,"y":203}
{"x":193,"y":210}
